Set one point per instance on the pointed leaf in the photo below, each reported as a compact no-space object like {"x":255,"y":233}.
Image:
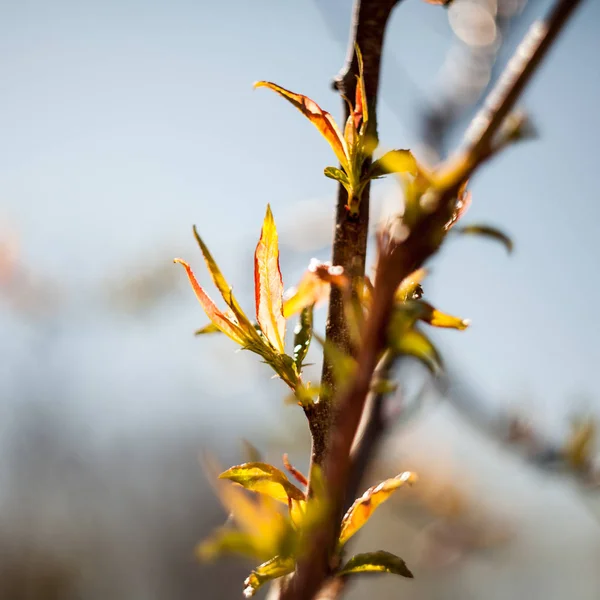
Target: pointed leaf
{"x":361,"y":111}
{"x":434,"y":317}
{"x":394,"y":161}
{"x":268,"y":284}
{"x":303,"y":336}
{"x":321,"y":119}
{"x":364,"y":507}
{"x":277,"y":567}
{"x":488,"y":231}
{"x":337,"y":174}
{"x":265,"y":479}
{"x":226,"y":291}
{"x":414,"y":343}
{"x":376,"y":562}
{"x":210,"y":328}
{"x":218,"y":319}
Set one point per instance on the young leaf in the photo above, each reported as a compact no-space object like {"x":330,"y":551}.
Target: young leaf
{"x":210,"y":328}
{"x":488,"y":231}
{"x":277,"y":567}
{"x":361,"y":110}
{"x":337,"y":174}
{"x":343,"y":365}
{"x":434,"y":317}
{"x":321,"y":119}
{"x":226,"y":291}
{"x":414,"y":343}
{"x":364,"y":507}
{"x":303,"y":336}
{"x":219,"y":320}
{"x":265,"y":479}
{"x":376,"y":562}
{"x":394,"y":161}
{"x":268,"y":284}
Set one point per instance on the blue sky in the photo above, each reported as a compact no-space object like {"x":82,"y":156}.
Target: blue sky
{"x":125,"y":122}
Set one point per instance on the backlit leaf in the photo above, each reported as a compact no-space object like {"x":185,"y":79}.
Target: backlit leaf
{"x":337,"y":174}
{"x":376,"y":562}
{"x":268,"y":284}
{"x":394,"y":161}
{"x":218,"y":319}
{"x":434,"y":317}
{"x":303,"y":336}
{"x":415,"y":343}
{"x":364,"y":507}
{"x":225,"y":289}
{"x":321,"y":119}
{"x":488,"y":231}
{"x":210,"y":328}
{"x":264,"y":478}
{"x":361,"y":110}
{"x":277,"y":567}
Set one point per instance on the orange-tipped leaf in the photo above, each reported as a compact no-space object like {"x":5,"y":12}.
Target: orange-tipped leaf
{"x":212,"y":312}
{"x":320,"y":118}
{"x":268,"y":284}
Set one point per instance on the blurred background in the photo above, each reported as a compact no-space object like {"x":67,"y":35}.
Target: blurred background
{"x":125,"y":122}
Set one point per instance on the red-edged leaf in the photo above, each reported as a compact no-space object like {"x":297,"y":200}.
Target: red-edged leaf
{"x":321,"y":119}
{"x":226,"y":291}
{"x":361,"y":112}
{"x":364,"y":507}
{"x":268,"y":284}
{"x":212,"y":312}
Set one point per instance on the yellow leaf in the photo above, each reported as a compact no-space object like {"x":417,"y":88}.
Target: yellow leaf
{"x":364,"y":507}
{"x":226,"y":291}
{"x":268,"y":284}
{"x":219,"y":320}
{"x":410,"y":286}
{"x":265,"y":479}
{"x":277,"y":567}
{"x":375,"y":562}
{"x":321,"y":119}
{"x":434,"y":317}
{"x":580,"y":445}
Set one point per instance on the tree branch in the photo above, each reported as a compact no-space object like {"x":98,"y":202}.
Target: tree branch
{"x":396,"y":260}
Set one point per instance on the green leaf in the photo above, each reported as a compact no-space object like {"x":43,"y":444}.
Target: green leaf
{"x":394,"y":161}
{"x":376,"y":562}
{"x":277,"y":567}
{"x":364,"y":507}
{"x":415,"y":343}
{"x":265,"y":479}
{"x":337,"y":174}
{"x":487,"y":231}
{"x":303,"y":336}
